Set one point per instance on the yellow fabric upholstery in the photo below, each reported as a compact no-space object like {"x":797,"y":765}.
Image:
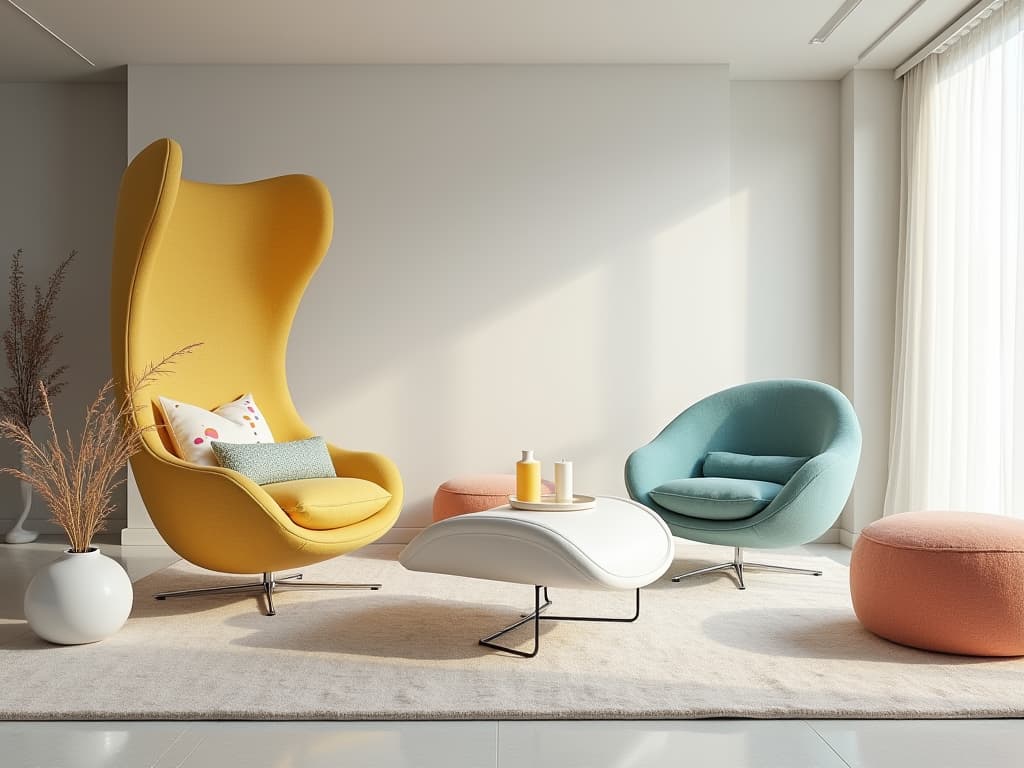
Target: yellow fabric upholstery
{"x":328,"y":502}
{"x":225,"y":265}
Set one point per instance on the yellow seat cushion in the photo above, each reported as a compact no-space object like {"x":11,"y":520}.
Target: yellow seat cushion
{"x":325,"y":503}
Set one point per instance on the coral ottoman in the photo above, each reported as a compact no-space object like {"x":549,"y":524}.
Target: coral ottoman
{"x":475,"y":493}
{"x":943,"y":581}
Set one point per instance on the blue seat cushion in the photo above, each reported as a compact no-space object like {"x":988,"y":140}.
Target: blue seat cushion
{"x":742,"y":466}
{"x":716,"y":498}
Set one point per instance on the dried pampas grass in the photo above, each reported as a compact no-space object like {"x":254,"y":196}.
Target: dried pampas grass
{"x":77,"y":478}
{"x":29,"y":344}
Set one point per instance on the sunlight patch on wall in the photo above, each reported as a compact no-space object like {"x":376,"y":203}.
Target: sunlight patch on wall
{"x":699,"y":294}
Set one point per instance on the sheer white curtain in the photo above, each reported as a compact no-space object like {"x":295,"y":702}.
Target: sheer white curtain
{"x":958,"y":392}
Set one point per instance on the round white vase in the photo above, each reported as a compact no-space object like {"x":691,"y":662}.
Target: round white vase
{"x":80,"y":598}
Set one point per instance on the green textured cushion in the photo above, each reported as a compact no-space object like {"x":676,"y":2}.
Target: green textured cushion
{"x":265,"y":463}
{"x":742,"y":466}
{"x":716,"y":498}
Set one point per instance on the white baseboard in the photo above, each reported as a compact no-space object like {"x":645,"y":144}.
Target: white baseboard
{"x":141,"y":537}
{"x":848,"y":538}
{"x":398,"y":535}
{"x":831,"y":536}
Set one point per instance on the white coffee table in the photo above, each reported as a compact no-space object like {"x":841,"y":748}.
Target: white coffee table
{"x":618,"y":544}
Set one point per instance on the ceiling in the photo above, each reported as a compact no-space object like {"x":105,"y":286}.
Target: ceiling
{"x":759,"y":39}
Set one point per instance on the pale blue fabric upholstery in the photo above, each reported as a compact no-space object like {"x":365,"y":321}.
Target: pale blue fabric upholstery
{"x":774,"y":469}
{"x":780,"y":417}
{"x":715,"y":498}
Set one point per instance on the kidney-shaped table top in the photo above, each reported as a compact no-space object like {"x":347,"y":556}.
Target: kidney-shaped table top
{"x":617,"y":544}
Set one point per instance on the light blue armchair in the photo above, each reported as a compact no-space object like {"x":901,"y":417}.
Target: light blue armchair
{"x":764,"y":465}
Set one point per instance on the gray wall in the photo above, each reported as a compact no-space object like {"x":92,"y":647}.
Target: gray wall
{"x":62,"y":150}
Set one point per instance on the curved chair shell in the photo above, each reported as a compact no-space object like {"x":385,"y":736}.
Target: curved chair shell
{"x":779,"y":417}
{"x":225,"y":265}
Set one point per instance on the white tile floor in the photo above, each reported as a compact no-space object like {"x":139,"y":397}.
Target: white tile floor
{"x":584,"y":744}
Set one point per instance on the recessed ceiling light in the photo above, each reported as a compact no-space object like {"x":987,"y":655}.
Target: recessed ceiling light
{"x":838,"y":17}
{"x":892,"y":28}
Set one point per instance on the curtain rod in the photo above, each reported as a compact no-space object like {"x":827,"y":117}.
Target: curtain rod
{"x":948,"y":34}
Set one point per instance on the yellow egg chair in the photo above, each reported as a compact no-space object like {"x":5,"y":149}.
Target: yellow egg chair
{"x":226,"y":265}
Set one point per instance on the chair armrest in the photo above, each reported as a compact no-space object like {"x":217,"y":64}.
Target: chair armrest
{"x":677,"y":451}
{"x":374,"y":467}
{"x":810,"y":502}
{"x":211,"y":515}
{"x":214,"y":480}
{"x":665,"y":458}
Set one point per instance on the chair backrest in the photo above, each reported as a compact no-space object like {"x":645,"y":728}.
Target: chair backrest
{"x":225,"y":265}
{"x":778,"y":417}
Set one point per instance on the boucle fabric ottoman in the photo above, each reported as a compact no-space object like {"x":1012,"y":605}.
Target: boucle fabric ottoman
{"x":943,"y":581}
{"x":475,"y":493}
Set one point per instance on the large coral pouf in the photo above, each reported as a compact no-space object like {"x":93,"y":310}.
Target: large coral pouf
{"x":475,"y":493}
{"x":943,"y":581}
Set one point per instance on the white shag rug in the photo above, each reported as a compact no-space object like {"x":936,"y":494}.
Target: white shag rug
{"x":787,"y":647}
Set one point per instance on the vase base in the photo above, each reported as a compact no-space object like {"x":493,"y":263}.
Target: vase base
{"x":18,"y":535}
{"x":82,"y":597}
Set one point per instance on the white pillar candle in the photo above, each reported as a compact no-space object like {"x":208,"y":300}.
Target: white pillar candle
{"x":563,"y":481}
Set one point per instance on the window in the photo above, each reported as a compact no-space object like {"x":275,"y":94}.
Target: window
{"x":958,"y":415}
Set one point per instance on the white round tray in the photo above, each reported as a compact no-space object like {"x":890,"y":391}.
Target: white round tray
{"x":547,"y":503}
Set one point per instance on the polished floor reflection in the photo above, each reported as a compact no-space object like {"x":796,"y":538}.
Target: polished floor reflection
{"x":520,"y":744}
{"x":613,"y":744}
{"x":18,"y":562}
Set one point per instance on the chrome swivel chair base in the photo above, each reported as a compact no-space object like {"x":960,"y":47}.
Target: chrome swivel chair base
{"x":738,"y":566}
{"x":267,"y":587}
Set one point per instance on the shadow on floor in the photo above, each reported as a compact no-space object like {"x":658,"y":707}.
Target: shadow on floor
{"x":830,"y":634}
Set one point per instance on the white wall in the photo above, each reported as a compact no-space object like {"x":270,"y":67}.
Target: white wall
{"x":870,"y":117}
{"x":62,"y":150}
{"x":533,"y":257}
{"x":785,"y":223}
{"x":785,"y":220}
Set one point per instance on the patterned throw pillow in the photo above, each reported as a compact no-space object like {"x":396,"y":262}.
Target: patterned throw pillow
{"x":277,"y":462}
{"x":243,"y":411}
{"x":193,"y":429}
